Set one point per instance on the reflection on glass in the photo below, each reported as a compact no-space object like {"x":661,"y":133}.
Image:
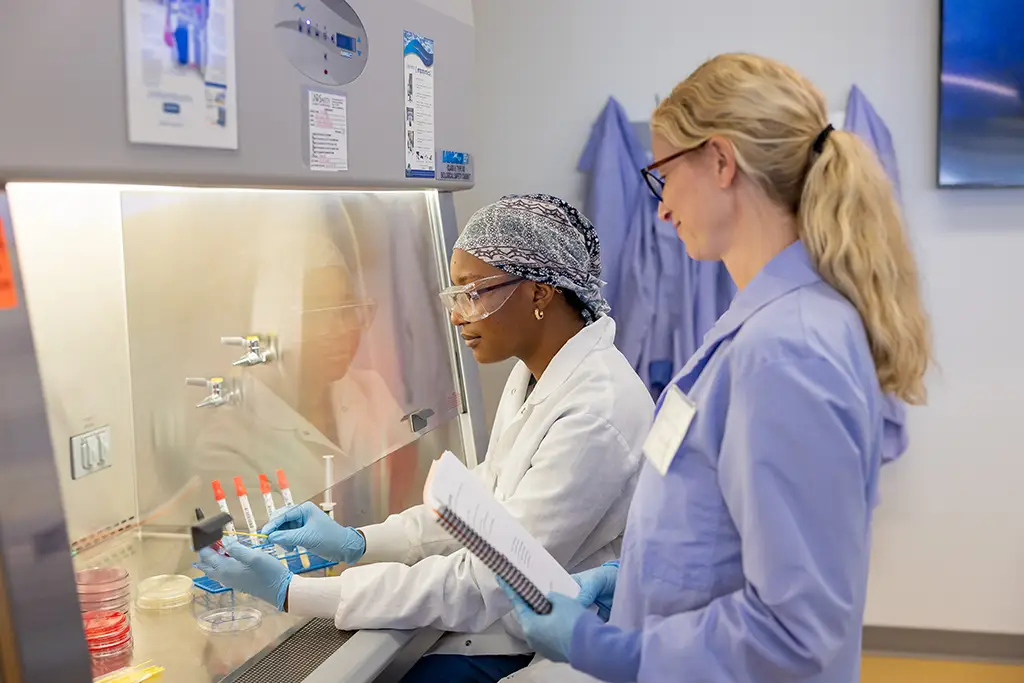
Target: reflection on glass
{"x":346,"y":287}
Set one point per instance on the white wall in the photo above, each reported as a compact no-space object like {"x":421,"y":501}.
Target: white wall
{"x":949,"y":539}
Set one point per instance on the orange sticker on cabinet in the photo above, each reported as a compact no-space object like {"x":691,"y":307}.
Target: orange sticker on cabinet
{"x":8,"y":295}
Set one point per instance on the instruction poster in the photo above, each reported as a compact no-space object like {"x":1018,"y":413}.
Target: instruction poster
{"x":328,"y":132}
{"x":418,"y":87}
{"x":180,"y":64}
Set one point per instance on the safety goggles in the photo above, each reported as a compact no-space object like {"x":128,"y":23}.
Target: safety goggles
{"x":480,"y":299}
{"x":340,"y":319}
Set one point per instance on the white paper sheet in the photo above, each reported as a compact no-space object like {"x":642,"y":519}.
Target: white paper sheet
{"x":328,"y":132}
{"x":449,"y":483}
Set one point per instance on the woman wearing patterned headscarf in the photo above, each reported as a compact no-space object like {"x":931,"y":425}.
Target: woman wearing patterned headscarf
{"x":563,"y":456}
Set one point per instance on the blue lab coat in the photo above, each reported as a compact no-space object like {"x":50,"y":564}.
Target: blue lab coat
{"x":747,"y":561}
{"x":864,"y":121}
{"x":663,"y":301}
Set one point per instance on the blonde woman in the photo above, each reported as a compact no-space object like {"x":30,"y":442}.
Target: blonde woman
{"x":746,"y":550}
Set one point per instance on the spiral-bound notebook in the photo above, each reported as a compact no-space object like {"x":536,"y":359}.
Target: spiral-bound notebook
{"x":473,"y":517}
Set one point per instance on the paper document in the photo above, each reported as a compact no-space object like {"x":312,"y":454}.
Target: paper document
{"x":451,"y":485}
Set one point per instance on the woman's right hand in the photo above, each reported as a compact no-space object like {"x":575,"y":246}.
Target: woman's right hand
{"x":597,"y":587}
{"x":308,"y":526}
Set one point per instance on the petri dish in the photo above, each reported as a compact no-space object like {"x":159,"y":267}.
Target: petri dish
{"x":110,"y":642}
{"x":102,"y":621}
{"x":102,"y":580}
{"x":99,"y":602}
{"x":230,"y":620}
{"x":111,"y":658}
{"x":118,"y":605}
{"x":166,"y":591}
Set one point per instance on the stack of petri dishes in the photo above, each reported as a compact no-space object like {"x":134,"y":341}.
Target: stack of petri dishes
{"x":109,"y":636}
{"x":104,"y":589}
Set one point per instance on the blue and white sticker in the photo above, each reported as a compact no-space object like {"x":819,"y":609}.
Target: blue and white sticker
{"x":418,"y":91}
{"x":455,"y":166}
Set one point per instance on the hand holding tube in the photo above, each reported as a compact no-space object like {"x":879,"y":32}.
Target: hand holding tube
{"x":308,"y":526}
{"x":248,"y":571}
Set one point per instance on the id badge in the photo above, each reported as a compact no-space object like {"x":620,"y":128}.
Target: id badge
{"x":669,"y":429}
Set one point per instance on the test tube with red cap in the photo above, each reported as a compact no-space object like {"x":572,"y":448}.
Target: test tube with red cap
{"x":286,"y":494}
{"x":222,"y":504}
{"x":268,"y":502}
{"x":268,"y":498}
{"x":243,"y":500}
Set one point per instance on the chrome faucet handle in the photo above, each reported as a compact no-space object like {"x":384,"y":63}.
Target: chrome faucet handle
{"x":234,"y":341}
{"x":258,"y":350}
{"x":218,"y":396}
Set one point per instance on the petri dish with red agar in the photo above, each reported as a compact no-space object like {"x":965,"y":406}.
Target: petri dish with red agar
{"x":108,"y":635}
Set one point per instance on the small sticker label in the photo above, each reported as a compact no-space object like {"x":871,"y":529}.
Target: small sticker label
{"x":455,"y":166}
{"x":8,"y":294}
{"x":328,"y":132}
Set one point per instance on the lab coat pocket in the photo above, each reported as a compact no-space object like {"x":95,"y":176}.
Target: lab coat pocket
{"x":682,"y":514}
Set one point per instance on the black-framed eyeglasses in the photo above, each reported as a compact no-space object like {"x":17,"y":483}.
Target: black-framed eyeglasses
{"x":653,"y":178}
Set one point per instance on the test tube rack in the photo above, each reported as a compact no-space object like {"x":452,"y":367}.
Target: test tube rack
{"x":292,"y":559}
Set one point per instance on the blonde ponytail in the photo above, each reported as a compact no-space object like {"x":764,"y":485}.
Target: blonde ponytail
{"x":849,"y":219}
{"x":853,"y":229}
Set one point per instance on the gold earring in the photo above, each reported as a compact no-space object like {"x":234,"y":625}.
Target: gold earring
{"x":538,"y":314}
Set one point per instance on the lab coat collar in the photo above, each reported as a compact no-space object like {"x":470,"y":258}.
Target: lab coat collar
{"x":600,"y":334}
{"x":791,"y":269}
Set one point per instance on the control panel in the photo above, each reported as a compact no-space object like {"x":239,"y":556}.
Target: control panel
{"x":324,"y":39}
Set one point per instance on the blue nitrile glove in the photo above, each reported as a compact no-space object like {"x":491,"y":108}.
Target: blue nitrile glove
{"x":597,"y":587}
{"x":308,"y":526}
{"x":257,"y":573}
{"x":550,"y":635}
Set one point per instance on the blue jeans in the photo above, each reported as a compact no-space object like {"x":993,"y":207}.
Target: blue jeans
{"x":465,"y":668}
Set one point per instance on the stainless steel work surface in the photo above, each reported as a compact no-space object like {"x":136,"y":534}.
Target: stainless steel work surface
{"x":281,"y":645}
{"x":172,"y":638}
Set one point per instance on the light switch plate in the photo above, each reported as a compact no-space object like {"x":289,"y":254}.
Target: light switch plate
{"x":90,"y":452}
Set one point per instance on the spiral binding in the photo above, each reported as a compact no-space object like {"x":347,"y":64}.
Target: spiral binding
{"x":495,"y":561}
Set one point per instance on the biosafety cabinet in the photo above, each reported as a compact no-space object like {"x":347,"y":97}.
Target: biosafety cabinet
{"x":224,"y":227}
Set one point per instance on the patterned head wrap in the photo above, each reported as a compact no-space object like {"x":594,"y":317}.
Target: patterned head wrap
{"x":540,"y":238}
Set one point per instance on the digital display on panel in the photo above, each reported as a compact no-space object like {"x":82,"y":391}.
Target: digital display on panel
{"x":345,"y":42}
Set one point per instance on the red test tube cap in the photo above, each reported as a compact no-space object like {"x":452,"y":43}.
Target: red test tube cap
{"x":218,"y":491}
{"x":239,"y":487}
{"x":282,"y":481}
{"x":264,"y":484}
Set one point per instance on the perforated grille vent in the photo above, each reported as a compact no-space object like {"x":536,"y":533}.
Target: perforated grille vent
{"x":297,"y":657}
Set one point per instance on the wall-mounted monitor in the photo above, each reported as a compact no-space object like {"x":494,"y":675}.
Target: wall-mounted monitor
{"x":981,"y":94}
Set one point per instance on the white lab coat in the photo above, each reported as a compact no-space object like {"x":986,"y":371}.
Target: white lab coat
{"x":564,"y":461}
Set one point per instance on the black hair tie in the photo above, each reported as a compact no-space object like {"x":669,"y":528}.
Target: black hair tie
{"x":819,"y":142}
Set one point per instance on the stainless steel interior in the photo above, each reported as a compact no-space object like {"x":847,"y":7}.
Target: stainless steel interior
{"x":208,"y":334}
